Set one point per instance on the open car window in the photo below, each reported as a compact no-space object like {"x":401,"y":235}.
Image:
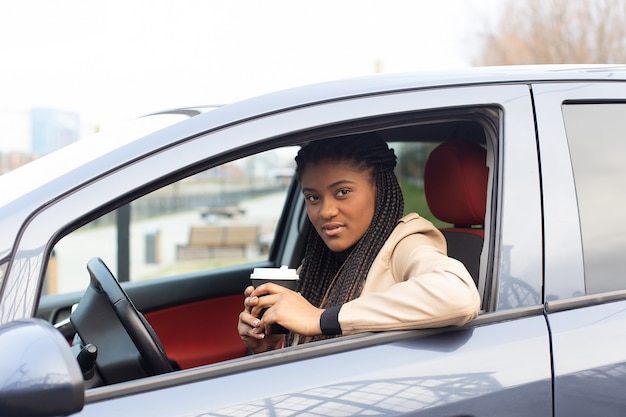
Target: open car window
{"x":184,"y":252}
{"x":223,"y":216}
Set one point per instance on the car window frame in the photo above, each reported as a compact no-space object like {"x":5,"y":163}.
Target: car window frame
{"x":564,"y":269}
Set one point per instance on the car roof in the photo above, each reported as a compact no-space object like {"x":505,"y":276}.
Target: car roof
{"x":379,"y":83}
{"x":23,"y":189}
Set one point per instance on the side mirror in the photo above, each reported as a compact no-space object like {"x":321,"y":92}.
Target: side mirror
{"x":39,"y":375}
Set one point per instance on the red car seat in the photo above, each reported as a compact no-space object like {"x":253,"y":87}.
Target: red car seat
{"x":455,"y":184}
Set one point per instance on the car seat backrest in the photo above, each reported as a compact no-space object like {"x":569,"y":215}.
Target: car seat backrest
{"x":455,"y":184}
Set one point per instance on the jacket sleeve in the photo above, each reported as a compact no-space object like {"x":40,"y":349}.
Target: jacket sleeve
{"x":430,"y":290}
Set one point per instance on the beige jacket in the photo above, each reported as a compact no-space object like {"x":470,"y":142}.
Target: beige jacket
{"x":412,"y":284}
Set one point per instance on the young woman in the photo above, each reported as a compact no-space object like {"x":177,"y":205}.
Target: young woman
{"x":366,"y":267}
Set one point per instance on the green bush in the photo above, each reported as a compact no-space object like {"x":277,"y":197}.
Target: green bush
{"x":415,"y":201}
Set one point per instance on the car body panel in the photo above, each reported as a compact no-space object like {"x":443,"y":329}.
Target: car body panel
{"x":517,"y":245}
{"x":589,"y":358}
{"x":431,"y":373}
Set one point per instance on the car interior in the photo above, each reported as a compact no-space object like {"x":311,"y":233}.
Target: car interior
{"x":455,"y":185}
{"x":184,"y":314}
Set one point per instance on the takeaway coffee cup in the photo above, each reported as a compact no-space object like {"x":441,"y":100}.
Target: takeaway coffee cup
{"x":284,"y":276}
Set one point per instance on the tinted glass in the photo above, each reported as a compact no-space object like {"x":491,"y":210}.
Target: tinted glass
{"x":597,"y":140}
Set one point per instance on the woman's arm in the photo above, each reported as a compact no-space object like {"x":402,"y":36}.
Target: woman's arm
{"x":428,"y":289}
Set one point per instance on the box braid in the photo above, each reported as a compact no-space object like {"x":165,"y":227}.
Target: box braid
{"x":325,"y":280}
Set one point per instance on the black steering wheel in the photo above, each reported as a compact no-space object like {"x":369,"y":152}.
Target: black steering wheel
{"x":127,"y":346}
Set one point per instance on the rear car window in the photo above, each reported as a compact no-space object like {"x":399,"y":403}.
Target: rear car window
{"x":597,"y":143}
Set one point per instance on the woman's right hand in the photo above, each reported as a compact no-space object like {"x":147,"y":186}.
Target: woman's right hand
{"x":251,"y":329}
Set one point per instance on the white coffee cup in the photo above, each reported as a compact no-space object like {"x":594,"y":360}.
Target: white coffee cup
{"x":284,"y":276}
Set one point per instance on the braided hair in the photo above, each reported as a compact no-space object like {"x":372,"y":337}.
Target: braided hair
{"x":325,"y":279}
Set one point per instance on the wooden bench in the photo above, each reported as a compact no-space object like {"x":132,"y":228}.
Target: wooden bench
{"x":213,"y":240}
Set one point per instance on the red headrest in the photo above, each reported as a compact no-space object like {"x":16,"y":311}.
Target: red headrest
{"x":455,"y":182}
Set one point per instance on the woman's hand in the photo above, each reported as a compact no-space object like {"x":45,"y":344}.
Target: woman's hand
{"x":251,"y":329}
{"x":286,"y":308}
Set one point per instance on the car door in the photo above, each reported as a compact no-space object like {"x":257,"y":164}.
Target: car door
{"x":498,"y":364}
{"x":581,"y":128}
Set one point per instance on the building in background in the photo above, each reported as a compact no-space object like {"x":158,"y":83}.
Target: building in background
{"x":26,"y":135}
{"x":52,"y":129}
{"x":15,"y":139}
{"x":14,"y":159}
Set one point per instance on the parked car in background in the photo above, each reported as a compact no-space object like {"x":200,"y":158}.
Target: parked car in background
{"x":136,"y":251}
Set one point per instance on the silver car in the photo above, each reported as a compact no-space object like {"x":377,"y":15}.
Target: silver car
{"x":123,"y":257}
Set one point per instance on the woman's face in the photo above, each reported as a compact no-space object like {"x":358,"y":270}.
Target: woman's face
{"x":340,"y":202}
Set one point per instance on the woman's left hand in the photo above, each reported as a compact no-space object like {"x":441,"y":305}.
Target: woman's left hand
{"x":288,"y":309}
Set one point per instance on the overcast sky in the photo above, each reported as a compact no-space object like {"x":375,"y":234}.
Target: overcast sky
{"x":113,"y":60}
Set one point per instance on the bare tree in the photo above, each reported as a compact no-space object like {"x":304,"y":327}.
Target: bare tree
{"x":557,"y":32}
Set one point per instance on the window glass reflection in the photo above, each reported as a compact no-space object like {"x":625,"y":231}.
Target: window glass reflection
{"x":595,"y":134}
